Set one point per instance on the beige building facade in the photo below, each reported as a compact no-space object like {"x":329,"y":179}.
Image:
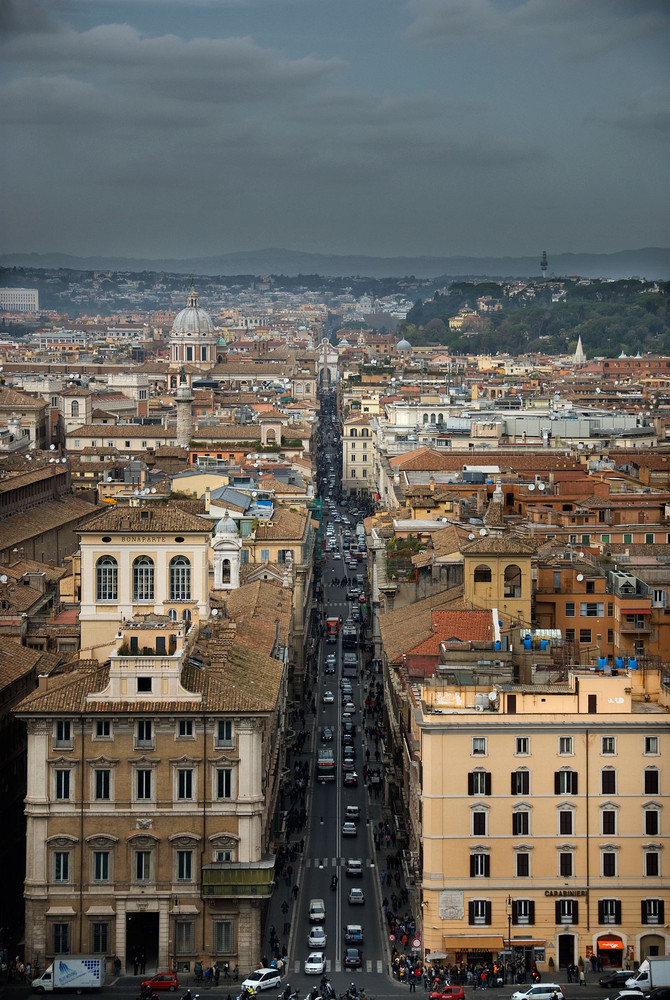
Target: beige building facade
{"x":137,"y":560}
{"x":540,"y":816}
{"x":152,"y":781}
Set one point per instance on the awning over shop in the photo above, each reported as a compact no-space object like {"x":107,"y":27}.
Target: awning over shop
{"x":527,"y":943}
{"x":491,"y":942}
{"x":611,"y":944}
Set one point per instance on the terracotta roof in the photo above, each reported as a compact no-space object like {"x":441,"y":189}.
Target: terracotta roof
{"x":459,"y":626}
{"x":14,"y":480}
{"x":285,"y":524}
{"x":12,"y":398}
{"x":499,"y":544}
{"x":227,"y":432}
{"x":270,"y":483}
{"x":148,"y":518}
{"x":17,"y":570}
{"x":16,"y":661}
{"x":406,"y":627}
{"x":28,"y":524}
{"x":239,"y":672}
{"x":122,"y":430}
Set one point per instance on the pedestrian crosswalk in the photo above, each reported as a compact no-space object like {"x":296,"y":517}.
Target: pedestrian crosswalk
{"x":332,"y":862}
{"x":372,"y":967}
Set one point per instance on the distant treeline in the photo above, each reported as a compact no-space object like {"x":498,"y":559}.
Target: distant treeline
{"x":610,"y":317}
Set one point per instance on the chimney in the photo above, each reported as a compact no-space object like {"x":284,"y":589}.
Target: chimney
{"x":432,"y":484}
{"x":43,"y":682}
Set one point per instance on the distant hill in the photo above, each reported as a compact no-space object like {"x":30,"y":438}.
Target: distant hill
{"x":652,"y":263}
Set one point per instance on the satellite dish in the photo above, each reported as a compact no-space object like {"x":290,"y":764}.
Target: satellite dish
{"x":254,"y":493}
{"x":136,"y":492}
{"x":482,"y":532}
{"x":471,"y":537}
{"x":581,"y":555}
{"x":215,"y":612}
{"x":531,"y":487}
{"x":580,"y":577}
{"x":52,"y":447}
{"x":3,"y":578}
{"x":153,"y":489}
{"x":108,"y":479}
{"x":598,"y":388}
{"x":63,"y":461}
{"x":541,"y":487}
{"x":493,"y":695}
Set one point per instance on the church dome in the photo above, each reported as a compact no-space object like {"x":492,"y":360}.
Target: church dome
{"x":192,"y":319}
{"x":403,"y":345}
{"x":226,"y":525}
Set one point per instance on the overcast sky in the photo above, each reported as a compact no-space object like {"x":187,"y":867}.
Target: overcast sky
{"x":194,"y":127}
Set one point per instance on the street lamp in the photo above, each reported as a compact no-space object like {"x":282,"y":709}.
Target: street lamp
{"x":509,"y":925}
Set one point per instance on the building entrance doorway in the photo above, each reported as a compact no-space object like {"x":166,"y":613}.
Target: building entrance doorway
{"x":142,"y":943}
{"x":566,"y":950}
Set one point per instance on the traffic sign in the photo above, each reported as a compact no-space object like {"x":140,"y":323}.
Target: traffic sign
{"x":416,"y":943}
{"x":391,"y":938}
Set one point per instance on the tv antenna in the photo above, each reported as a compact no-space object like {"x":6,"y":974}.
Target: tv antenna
{"x":544,"y":264}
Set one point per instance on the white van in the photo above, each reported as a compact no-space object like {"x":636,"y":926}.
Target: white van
{"x":317,"y":911}
{"x":352,"y":812}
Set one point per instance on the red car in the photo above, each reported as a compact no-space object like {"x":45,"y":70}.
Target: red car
{"x":448,"y":993}
{"x":163,"y":981}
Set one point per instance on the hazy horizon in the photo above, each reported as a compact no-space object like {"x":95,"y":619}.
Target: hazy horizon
{"x":473,"y":128}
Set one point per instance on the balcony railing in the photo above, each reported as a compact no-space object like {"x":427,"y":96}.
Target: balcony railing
{"x":247,"y":878}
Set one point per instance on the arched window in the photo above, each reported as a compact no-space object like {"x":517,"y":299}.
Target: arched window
{"x":172,"y":614}
{"x":180,"y":579}
{"x":512,"y":581}
{"x":440,"y":418}
{"x":225,"y":571}
{"x":432,"y":418}
{"x":143,"y":579}
{"x":186,"y":615}
{"x":106,"y":579}
{"x":482,"y":573}
{"x":425,"y":418}
{"x":74,"y":408}
{"x":353,"y":432}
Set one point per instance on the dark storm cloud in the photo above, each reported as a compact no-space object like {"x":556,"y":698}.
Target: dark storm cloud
{"x":31,"y":16}
{"x":577,"y":29}
{"x":394,"y":126}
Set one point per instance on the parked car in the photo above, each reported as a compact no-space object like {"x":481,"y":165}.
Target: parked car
{"x":261,"y":979}
{"x":541,"y":991}
{"x":615,"y":979}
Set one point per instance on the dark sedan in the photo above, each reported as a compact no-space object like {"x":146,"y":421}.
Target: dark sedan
{"x":353,"y":959}
{"x":616,"y":979}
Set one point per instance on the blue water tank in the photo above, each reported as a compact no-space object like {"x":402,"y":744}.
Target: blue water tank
{"x":527,"y":642}
{"x":602,"y":662}
{"x":619,"y":662}
{"x":632,"y":662}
